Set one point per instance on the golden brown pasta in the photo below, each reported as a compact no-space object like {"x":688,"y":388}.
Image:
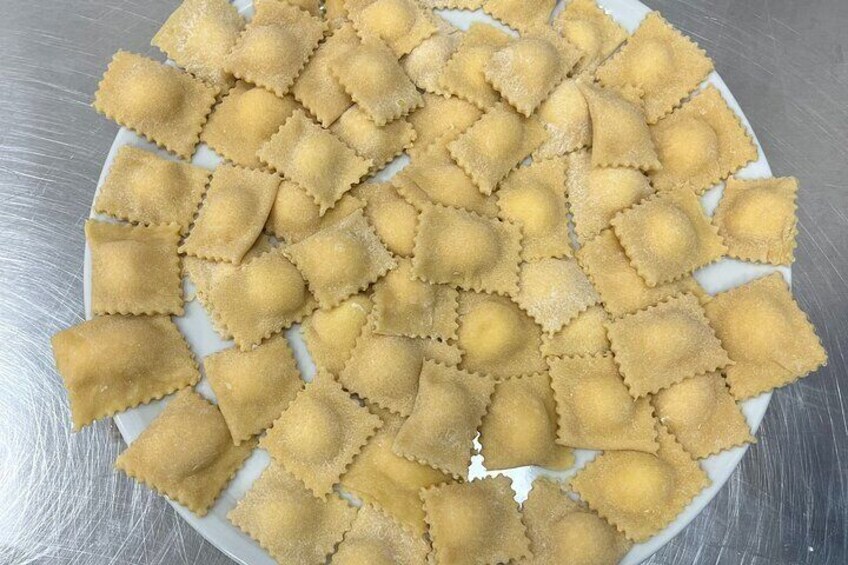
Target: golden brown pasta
{"x":554,"y":292}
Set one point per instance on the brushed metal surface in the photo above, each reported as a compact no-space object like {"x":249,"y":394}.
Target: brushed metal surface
{"x":60,"y":501}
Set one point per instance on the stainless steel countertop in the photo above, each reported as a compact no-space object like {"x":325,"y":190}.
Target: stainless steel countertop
{"x":60,"y":501}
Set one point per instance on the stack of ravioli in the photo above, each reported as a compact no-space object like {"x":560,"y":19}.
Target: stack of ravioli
{"x":521,"y":288}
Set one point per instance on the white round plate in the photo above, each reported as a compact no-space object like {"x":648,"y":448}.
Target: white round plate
{"x":197,"y":328}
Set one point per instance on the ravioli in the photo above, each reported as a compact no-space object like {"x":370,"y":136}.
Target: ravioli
{"x":565,"y":117}
{"x":380,"y":145}
{"x":525,"y":72}
{"x":425,"y":63}
{"x":554,"y":292}
{"x":590,"y":29}
{"x":401,"y":24}
{"x":295,"y":215}
{"x":375,"y":536}
{"x":464,"y":75}
{"x":584,"y":335}
{"x":519,"y":14}
{"x":394,"y":219}
{"x":330,"y":335}
{"x":441,"y":120}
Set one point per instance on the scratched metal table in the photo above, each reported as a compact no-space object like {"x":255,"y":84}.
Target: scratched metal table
{"x":60,"y":501}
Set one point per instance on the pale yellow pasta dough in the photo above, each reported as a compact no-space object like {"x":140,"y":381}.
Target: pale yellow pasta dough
{"x":233,"y":214}
{"x":384,"y":369}
{"x":374,"y":79}
{"x":160,"y":103}
{"x":757,"y":219}
{"x":620,"y":287}
{"x":667,"y":236}
{"x":476,"y":522}
{"x":112,"y":363}
{"x":497,"y":337}
{"x":495,"y":145}
{"x":466,"y":250}
{"x":591,"y":30}
{"x":441,"y":120}
{"x":311,"y":6}
{"x":134,"y":269}
{"x":260,"y":298}
{"x":341,"y":259}
{"x":379,"y":539}
{"x":454,"y":4}
{"x":525,"y":72}
{"x":244,"y":121}
{"x":767,"y":336}
{"x":319,"y":434}
{"x":394,"y":219}
{"x":253,"y":387}
{"x":410,"y":307}
{"x":425,"y":63}
{"x":565,"y":116}
{"x":335,"y":13}
{"x":595,"y":408}
{"x":295,"y":215}
{"x":400,"y":24}
{"x":289,"y":521}
{"x":585,"y":335}
{"x":554,"y":292}
{"x":534,"y":197}
{"x":186,"y":453}
{"x":464,"y":75}
{"x":315,"y":159}
{"x":641,"y":493}
{"x":520,"y":14}
{"x":198,"y":36}
{"x":330,"y":335}
{"x":702,"y":415}
{"x":274,"y":47}
{"x":665,"y":344}
{"x":661,"y":61}
{"x":564,"y":531}
{"x":444,"y":420}
{"x":316,"y":88}
{"x":380,"y":145}
{"x":597,"y":194}
{"x":700,"y":144}
{"x":620,"y":135}
{"x":520,"y":426}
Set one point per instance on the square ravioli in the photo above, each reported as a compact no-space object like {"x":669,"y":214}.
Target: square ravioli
{"x":766,"y":334}
{"x":253,"y":387}
{"x":384,"y":369}
{"x":342,"y":259}
{"x":620,"y":135}
{"x":432,"y":177}
{"x":665,"y":64}
{"x":445,"y":418}
{"x":143,"y":188}
{"x":595,"y":408}
{"x":564,"y":531}
{"x":198,"y":36}
{"x":394,"y":219}
{"x":295,"y":215}
{"x":620,"y":287}
{"x":700,"y":144}
{"x":425,"y":63}
{"x":260,"y":298}
{"x":374,"y":79}
{"x":520,"y":426}
{"x":319,"y":434}
{"x":406,"y":306}
{"x":316,"y":87}
{"x":565,"y":117}
{"x":641,"y":493}
{"x":464,"y":75}
{"x":452,"y":4}
{"x":441,"y":120}
{"x":186,"y":453}
{"x":274,"y":47}
{"x":134,"y":269}
{"x":380,"y":145}
{"x":757,"y":219}
{"x":330,"y":335}
{"x":315,"y":159}
{"x":391,"y":482}
{"x":521,"y":15}
{"x":597,"y":194}
{"x":495,"y":145}
{"x":244,"y":121}
{"x":158,"y":102}
{"x":554,"y":292}
{"x":290,"y":523}
{"x":497,"y":337}
{"x":593,"y":31}
{"x":400,"y":24}
{"x":467,"y":250}
{"x":476,"y":522}
{"x":703,"y":415}
{"x":667,"y":236}
{"x":112,"y":363}
{"x":534,"y":197}
{"x":665,"y":344}
{"x":584,"y":335}
{"x":232,"y":215}
{"x":376,"y":536}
